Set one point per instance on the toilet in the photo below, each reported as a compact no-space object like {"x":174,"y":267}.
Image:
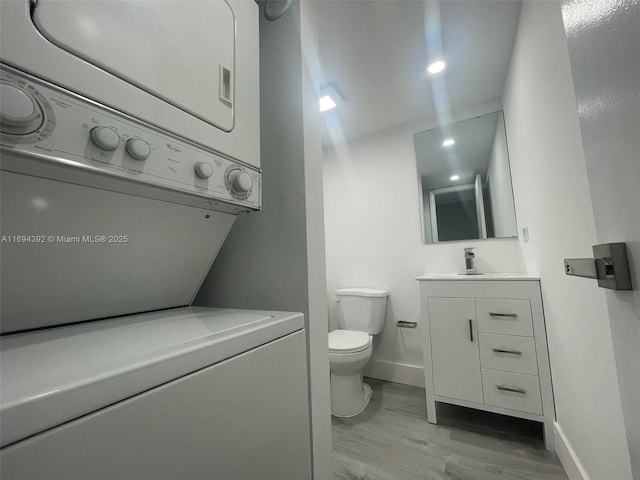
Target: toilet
{"x":361,"y":313}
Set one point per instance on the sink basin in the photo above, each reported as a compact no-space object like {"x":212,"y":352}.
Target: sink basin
{"x":477,"y":276}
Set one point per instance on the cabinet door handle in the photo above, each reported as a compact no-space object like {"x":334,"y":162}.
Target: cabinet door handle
{"x":508,"y":315}
{"x":512,"y":352}
{"x":511,"y":389}
{"x":470,"y":330}
{"x":405,"y":324}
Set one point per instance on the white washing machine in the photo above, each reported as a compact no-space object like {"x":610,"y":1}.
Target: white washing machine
{"x":191,"y":393}
{"x":163,"y":204}
{"x":118,"y":189}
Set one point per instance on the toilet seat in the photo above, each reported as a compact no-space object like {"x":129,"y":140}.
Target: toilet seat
{"x":348,"y":341}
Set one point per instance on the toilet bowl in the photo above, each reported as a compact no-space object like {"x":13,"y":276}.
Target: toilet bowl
{"x":361,"y":314}
{"x":349,"y":352}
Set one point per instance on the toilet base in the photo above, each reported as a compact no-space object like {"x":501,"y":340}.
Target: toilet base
{"x":349,"y":395}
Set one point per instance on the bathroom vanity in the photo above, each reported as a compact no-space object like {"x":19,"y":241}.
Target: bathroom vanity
{"x":485,"y":346}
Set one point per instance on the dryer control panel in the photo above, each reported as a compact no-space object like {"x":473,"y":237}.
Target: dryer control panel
{"x":44,"y":121}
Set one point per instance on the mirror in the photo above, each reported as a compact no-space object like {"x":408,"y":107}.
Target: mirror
{"x":465,"y":180}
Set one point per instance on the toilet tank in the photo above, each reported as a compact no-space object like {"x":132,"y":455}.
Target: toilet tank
{"x":361,"y":309}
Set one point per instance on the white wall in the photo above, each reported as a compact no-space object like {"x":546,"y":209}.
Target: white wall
{"x":552,"y":199}
{"x":604,"y":49}
{"x":373,"y":238}
{"x":317,"y":270}
{"x":274,"y":259}
{"x":499,"y":175}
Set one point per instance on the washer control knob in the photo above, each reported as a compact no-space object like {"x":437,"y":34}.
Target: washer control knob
{"x":138,"y":149}
{"x":204,"y":169}
{"x":19,"y":109}
{"x":240,"y":181}
{"x":104,"y":137}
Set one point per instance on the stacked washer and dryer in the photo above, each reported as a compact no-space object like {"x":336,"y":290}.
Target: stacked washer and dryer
{"x":130,"y":143}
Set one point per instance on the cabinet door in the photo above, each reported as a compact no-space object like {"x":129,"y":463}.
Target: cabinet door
{"x":454,"y":348}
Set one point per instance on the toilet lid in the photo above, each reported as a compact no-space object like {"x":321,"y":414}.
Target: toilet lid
{"x":348,"y":341}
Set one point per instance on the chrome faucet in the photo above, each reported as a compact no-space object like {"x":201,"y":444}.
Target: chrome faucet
{"x":469,"y":259}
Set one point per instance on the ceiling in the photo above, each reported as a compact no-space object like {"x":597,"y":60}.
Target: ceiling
{"x":375,"y":52}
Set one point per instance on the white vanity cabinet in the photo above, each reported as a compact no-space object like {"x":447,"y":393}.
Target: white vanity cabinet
{"x":485,"y":346}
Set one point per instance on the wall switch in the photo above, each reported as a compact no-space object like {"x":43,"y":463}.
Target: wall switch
{"x":525,"y":234}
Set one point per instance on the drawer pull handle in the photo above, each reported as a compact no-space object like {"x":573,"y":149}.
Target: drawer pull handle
{"x":512,"y":352}
{"x":470,"y":330}
{"x":405,"y":324}
{"x":511,"y":389}
{"x":508,"y":315}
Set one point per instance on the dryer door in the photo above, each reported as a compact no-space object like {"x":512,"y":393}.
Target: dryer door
{"x":180,"y":52}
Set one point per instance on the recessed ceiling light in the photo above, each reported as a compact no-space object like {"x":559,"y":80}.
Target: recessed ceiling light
{"x":448,"y":142}
{"x":436,"y":67}
{"x":326,"y":103}
{"x":454,"y":178}
{"x":329,"y":99}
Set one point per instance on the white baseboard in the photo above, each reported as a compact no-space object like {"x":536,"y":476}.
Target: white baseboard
{"x":568,"y":458}
{"x":396,"y":372}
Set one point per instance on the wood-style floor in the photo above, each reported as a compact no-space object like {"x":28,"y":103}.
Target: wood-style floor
{"x":391,"y":440}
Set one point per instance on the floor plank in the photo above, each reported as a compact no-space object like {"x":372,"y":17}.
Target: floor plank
{"x":392,"y":440}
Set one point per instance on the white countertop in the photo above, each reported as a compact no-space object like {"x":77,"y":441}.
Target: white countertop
{"x":481,"y":277}
{"x":52,"y":376}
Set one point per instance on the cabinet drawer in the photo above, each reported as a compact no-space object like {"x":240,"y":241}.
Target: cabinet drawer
{"x":508,"y":317}
{"x":515,"y":391}
{"x":508,"y":353}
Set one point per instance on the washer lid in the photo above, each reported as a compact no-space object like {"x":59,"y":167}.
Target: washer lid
{"x":348,"y":341}
{"x":55,"y":375}
{"x":362,"y":292}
